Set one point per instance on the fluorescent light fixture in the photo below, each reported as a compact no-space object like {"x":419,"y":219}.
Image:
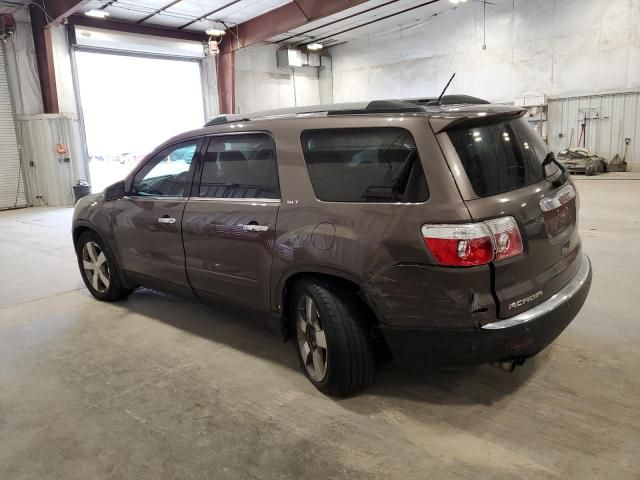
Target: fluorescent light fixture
{"x":97,"y":13}
{"x":314,"y":46}
{"x":214,"y":32}
{"x":455,"y":2}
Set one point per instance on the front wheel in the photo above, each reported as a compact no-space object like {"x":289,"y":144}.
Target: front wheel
{"x":99,"y":269}
{"x":332,"y":340}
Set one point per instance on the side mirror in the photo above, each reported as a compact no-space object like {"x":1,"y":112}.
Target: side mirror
{"x":114,"y":192}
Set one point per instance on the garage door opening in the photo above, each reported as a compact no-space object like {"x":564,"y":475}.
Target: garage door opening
{"x":130,"y":105}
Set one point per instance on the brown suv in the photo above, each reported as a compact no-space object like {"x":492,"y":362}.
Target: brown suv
{"x":441,"y":233}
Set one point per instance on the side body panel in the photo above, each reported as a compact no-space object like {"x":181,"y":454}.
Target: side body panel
{"x":145,"y":245}
{"x":223,"y":257}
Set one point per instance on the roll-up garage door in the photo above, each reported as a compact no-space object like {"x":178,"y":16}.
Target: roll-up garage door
{"x":11,"y":180}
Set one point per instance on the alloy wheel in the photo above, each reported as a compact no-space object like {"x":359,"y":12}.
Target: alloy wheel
{"x":311,"y":338}
{"x":96,"y":268}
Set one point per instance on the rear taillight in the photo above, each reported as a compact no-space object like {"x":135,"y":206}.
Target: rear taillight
{"x":506,"y":237}
{"x":471,"y":244}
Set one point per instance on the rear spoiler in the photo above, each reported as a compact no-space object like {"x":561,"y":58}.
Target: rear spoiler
{"x":443,"y":123}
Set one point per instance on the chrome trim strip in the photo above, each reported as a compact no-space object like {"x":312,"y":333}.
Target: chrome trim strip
{"x":154,"y":198}
{"x":235,"y":200}
{"x":564,"y":295}
{"x":254,"y":228}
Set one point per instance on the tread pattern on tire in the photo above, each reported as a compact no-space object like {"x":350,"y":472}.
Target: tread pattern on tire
{"x":351,"y":356}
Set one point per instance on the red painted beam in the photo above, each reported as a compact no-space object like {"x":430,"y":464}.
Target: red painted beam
{"x":58,"y":10}
{"x":226,"y":82}
{"x":282,"y":19}
{"x":44,"y":59}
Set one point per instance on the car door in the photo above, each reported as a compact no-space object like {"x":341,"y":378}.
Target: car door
{"x":147,"y":221}
{"x":229,"y":222}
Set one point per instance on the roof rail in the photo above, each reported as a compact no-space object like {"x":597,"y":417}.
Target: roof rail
{"x":356,"y":108}
{"x":220,"y":119}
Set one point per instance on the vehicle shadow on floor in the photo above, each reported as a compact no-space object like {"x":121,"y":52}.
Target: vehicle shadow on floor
{"x":482,"y":384}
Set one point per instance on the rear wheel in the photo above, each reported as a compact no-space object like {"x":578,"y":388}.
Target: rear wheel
{"x":332,"y":340}
{"x":98,"y":269}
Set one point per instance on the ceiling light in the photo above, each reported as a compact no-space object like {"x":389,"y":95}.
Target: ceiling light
{"x":214,"y":32}
{"x":314,"y":46}
{"x":455,"y":2}
{"x":97,"y":13}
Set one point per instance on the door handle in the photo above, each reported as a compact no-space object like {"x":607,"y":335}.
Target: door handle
{"x":254,"y":227}
{"x":167,"y":220}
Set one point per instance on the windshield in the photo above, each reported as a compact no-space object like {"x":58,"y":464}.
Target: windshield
{"x":503,"y":156}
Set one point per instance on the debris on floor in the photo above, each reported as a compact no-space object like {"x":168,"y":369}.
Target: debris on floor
{"x":579,"y":160}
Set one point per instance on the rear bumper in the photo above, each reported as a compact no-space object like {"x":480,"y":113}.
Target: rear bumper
{"x":523,"y":335}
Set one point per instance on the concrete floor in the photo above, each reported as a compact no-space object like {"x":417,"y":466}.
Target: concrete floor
{"x":157,"y":388}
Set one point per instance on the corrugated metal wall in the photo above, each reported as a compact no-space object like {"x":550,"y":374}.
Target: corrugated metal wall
{"x":612,"y":118}
{"x":12,"y":189}
{"x":49,"y":176}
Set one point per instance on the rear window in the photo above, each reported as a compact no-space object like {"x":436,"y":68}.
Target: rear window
{"x":364,"y":165}
{"x":502,"y":156}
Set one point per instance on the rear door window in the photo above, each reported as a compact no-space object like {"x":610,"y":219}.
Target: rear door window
{"x":364,"y":165}
{"x":501,"y":157}
{"x":240,"y":166}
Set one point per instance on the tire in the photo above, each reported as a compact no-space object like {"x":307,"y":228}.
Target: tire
{"x":93,"y":256}
{"x":334,"y":320}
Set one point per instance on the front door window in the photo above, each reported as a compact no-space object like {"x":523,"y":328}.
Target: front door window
{"x":168,"y":174}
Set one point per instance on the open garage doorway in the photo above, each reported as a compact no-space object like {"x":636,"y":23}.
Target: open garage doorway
{"x":130,"y":105}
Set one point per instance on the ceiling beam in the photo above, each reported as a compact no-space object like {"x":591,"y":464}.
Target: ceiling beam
{"x":129,"y":27}
{"x":203,"y":17}
{"x":282,"y":19}
{"x":108,"y":4}
{"x":58,"y":10}
{"x":375,"y":20}
{"x":342,"y":19}
{"x":160,"y":10}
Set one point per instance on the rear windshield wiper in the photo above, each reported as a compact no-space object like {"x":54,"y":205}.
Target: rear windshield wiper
{"x":551,"y":158}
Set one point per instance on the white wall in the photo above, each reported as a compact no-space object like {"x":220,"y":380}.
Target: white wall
{"x":261,"y":85}
{"x":553,"y":47}
{"x":63,"y":71}
{"x":23,"y":71}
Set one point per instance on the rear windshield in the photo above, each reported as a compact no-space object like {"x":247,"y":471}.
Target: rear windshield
{"x":378,"y":164}
{"x":502,"y":156}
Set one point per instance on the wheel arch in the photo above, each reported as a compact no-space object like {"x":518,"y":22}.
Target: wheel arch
{"x":81,"y":227}
{"x":281,"y":321}
{"x":78,"y":230}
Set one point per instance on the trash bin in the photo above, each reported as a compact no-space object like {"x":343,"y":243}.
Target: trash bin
{"x":81,"y":189}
